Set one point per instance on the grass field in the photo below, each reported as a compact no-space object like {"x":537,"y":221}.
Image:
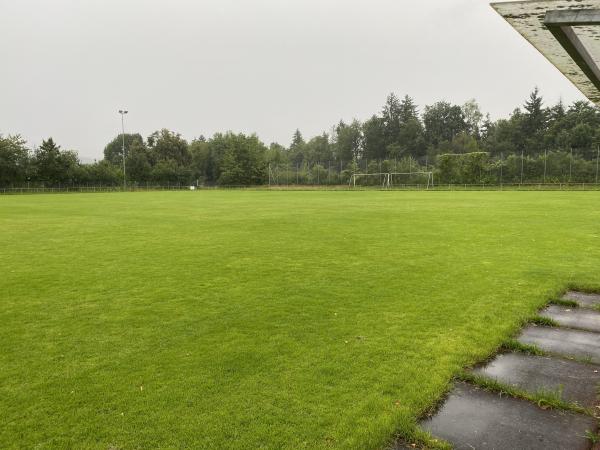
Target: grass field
{"x":265,"y":319}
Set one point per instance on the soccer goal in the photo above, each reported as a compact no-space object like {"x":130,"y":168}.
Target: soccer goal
{"x":391,"y":179}
{"x":409,"y":179}
{"x":369,"y":179}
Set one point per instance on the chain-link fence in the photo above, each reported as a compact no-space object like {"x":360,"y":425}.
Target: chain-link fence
{"x":548,"y":171}
{"x":475,"y":169}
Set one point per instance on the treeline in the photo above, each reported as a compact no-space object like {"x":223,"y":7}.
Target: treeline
{"x":458,"y":142}
{"x":163,"y":158}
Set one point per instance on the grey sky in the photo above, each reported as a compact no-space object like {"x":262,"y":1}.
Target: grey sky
{"x":264,"y":66}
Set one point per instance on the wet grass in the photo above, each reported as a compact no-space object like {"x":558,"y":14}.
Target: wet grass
{"x":545,"y":399}
{"x":256,"y":319}
{"x":563,"y":302}
{"x":543,"y":321}
{"x":512,"y":345}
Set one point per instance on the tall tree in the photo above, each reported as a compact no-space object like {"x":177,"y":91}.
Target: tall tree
{"x":442,"y":122}
{"x":535,"y":115}
{"x":487,"y":127}
{"x":105,"y":173}
{"x":204,"y":165}
{"x":277,"y":154}
{"x":138,"y":166}
{"x":473,"y":117}
{"x":374,"y":138}
{"x":244,"y":161}
{"x":297,"y":148}
{"x":14,"y":160}
{"x":534,"y":123}
{"x":319,"y":149}
{"x":113,"y":152}
{"x":348,"y":141}
{"x":391,"y":113}
{"x":408,"y":111}
{"x":167,"y":145}
{"x":54,"y":166}
{"x":557,"y":112}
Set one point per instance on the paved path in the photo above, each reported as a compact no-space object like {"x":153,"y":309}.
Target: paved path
{"x":473,"y":418}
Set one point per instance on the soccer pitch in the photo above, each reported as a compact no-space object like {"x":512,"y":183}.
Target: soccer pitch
{"x":256,"y":319}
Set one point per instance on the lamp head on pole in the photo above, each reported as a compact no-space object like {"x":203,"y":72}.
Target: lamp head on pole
{"x":123,"y":112}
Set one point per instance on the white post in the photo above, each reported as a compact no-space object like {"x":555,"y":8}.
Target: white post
{"x":123,"y":112}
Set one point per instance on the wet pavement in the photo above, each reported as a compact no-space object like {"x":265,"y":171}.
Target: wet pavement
{"x":575,"y":382}
{"x":579,"y":318}
{"x":474,"y":418}
{"x":584,"y":300}
{"x":564,"y":342}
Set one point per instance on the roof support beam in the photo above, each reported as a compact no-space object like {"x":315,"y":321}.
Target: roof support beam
{"x":572,"y":17}
{"x":560,"y":23}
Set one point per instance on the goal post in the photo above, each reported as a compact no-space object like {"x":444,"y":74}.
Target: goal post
{"x":390,"y":179}
{"x":383,"y":179}
{"x":413,"y":178}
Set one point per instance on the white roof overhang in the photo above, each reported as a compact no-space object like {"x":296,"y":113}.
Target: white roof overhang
{"x":566,"y":32}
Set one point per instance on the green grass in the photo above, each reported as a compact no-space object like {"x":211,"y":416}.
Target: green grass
{"x":253,"y":319}
{"x":563,"y":302}
{"x":543,"y":321}
{"x":512,"y":345}
{"x":546,"y":399}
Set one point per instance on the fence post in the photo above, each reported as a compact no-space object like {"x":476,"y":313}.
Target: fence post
{"x":597,"y":158}
{"x":571,"y":166}
{"x":521,"y":167}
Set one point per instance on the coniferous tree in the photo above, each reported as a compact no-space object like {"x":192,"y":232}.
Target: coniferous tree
{"x":535,"y":116}
{"x":53,"y":166}
{"x":534,"y":123}
{"x":297,"y":148}
{"x":391,"y":119}
{"x":408,"y":110}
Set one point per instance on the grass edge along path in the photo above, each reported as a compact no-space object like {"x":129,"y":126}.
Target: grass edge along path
{"x":543,"y":398}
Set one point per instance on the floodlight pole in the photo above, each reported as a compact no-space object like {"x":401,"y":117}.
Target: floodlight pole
{"x":123,"y":112}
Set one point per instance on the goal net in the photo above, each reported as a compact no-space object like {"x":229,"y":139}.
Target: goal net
{"x":411,"y":179}
{"x":369,"y":179}
{"x":393,"y":179}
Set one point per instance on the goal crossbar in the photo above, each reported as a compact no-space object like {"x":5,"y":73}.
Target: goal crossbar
{"x":387,"y":177}
{"x":378,"y":174}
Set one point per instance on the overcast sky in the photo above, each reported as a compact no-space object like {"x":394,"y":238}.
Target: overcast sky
{"x":264,"y":66}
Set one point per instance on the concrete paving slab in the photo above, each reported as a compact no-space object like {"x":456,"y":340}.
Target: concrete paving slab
{"x":585,"y":300}
{"x":563,"y":341}
{"x":472,"y":418}
{"x":576,"y":381}
{"x":580,"y":318}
